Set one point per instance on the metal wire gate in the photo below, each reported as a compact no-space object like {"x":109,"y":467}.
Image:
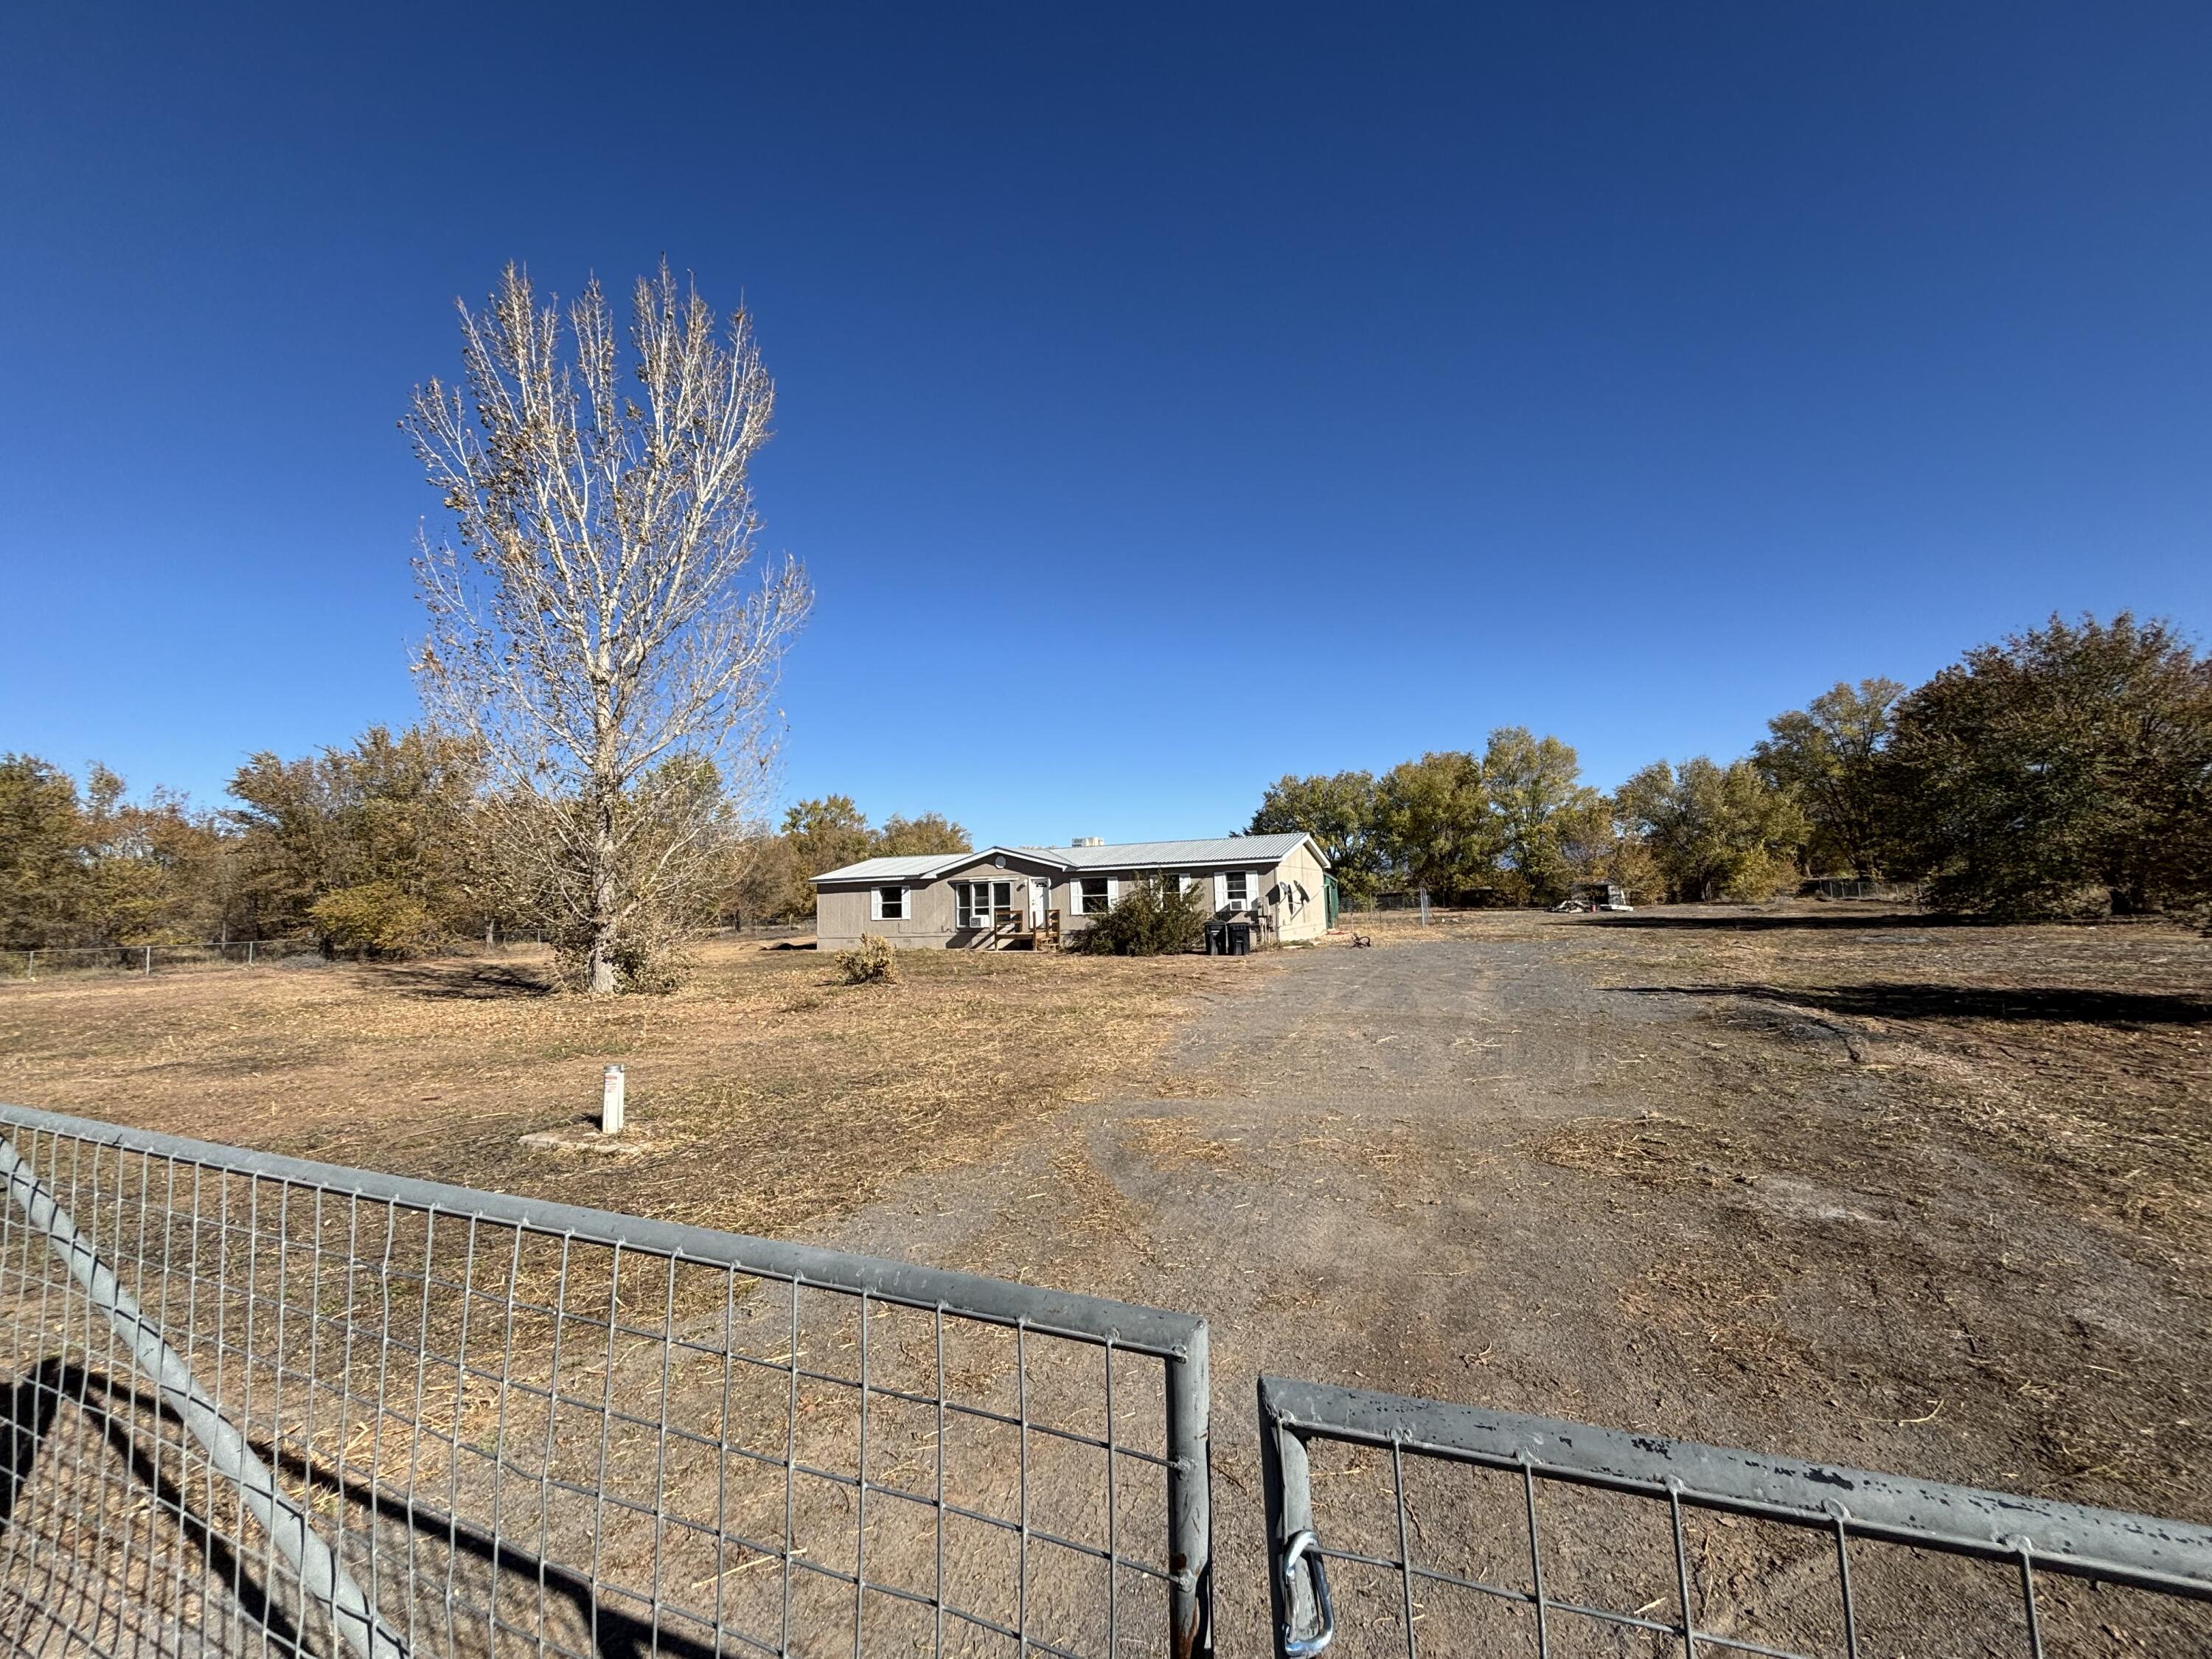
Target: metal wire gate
{"x":262,"y":1406}
{"x":1454,"y":1531}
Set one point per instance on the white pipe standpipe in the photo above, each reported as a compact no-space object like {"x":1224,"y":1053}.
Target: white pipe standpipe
{"x":611,"y":1101}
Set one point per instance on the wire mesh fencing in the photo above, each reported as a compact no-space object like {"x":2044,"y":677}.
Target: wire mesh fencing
{"x":1408,"y":1527}
{"x":268,"y":1406}
{"x":262,"y":1407}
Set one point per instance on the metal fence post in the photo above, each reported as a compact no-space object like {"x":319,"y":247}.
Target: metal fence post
{"x":149,"y":962}
{"x":321,"y":1574}
{"x":1190,"y":1512}
{"x":249,"y":952}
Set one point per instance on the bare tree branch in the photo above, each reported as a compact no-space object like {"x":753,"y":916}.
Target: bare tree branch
{"x":602,"y":621}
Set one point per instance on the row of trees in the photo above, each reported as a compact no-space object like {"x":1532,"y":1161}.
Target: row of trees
{"x":2066,"y":770}
{"x":385,"y":845}
{"x":392,"y":845}
{"x":1515,"y":822}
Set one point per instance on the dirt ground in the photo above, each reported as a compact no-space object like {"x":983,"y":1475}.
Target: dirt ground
{"x":1829,"y":1179}
{"x":1836,"y":1181}
{"x":805,"y":1095}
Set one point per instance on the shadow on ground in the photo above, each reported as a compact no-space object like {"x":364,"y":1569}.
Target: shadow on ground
{"x":1796,"y":922}
{"x":2059,"y":1003}
{"x":470,"y":982}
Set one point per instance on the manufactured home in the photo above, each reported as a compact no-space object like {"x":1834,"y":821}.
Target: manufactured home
{"x":1022,"y":897}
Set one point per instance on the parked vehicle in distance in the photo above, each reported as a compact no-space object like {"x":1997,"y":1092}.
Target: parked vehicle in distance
{"x":1593,"y":896}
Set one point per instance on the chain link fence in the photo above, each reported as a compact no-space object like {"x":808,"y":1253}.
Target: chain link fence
{"x":50,"y":962}
{"x":143,"y":961}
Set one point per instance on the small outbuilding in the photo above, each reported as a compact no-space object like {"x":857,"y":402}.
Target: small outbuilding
{"x":1022,"y":897}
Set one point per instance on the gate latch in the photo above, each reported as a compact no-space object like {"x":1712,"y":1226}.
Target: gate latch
{"x":1305,"y":1547}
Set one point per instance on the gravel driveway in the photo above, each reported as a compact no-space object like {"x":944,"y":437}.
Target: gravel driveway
{"x":1500,"y":1166}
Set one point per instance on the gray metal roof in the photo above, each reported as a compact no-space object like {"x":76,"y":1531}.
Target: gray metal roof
{"x":1144,"y":854}
{"x":1229,"y":850}
{"x":904,"y":867}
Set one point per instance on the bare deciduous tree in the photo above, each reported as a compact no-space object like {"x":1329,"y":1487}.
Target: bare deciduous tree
{"x":605,"y":626}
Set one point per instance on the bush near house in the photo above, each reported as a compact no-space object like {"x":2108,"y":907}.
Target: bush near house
{"x":1156,"y":917}
{"x":868,"y":962}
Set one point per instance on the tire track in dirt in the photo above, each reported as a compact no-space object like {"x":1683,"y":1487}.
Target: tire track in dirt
{"x":1469,"y":1168}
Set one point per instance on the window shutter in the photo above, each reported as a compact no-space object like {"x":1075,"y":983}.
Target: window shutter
{"x":875,"y":904}
{"x":1220,"y":891}
{"x":1113,"y":891}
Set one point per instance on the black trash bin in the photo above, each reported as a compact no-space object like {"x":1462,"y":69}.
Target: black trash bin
{"x":1217,"y":938}
{"x":1240,"y":939}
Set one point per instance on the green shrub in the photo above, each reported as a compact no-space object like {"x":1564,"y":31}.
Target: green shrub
{"x":1156,"y":917}
{"x":376,"y":918}
{"x":868,"y":962}
{"x":1759,"y":875}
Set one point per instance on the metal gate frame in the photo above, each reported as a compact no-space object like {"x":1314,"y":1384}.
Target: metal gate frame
{"x":1176,"y":1339}
{"x":46,"y":1159}
{"x":2167,"y":1556}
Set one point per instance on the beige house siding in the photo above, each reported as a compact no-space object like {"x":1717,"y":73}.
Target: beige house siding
{"x":842,"y":911}
{"x":1301,"y":864}
{"x":1311,"y":920}
{"x":841,"y":914}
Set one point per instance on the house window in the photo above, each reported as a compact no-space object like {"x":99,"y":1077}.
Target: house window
{"x":982,"y":903}
{"x":890,"y":904}
{"x":1236,"y":888}
{"x":1094,"y":896}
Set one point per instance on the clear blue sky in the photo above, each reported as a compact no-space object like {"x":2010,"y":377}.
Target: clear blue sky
{"x":1628,"y":372}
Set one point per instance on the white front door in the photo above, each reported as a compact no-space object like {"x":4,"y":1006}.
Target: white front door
{"x":1040,"y":900}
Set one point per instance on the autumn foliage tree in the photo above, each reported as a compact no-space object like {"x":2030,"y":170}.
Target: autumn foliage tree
{"x":374,"y":847}
{"x":1829,"y":756}
{"x":2068,"y":768}
{"x":1715,"y":832}
{"x":923,"y":834}
{"x":1536,"y":792}
{"x":89,"y":866}
{"x":1433,"y":825}
{"x":1338,"y":810}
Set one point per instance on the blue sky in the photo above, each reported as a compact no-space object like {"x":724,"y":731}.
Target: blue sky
{"x":1171,"y":398}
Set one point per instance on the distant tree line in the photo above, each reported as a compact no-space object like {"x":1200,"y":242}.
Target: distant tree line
{"x":2066,"y":770}
{"x":375,"y":848}
{"x":389,"y":847}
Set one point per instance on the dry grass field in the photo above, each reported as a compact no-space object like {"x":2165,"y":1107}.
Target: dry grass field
{"x":763,"y":1096}
{"x":1835,"y":1180}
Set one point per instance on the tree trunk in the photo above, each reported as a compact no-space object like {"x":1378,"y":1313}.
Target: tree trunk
{"x":599,"y":965}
